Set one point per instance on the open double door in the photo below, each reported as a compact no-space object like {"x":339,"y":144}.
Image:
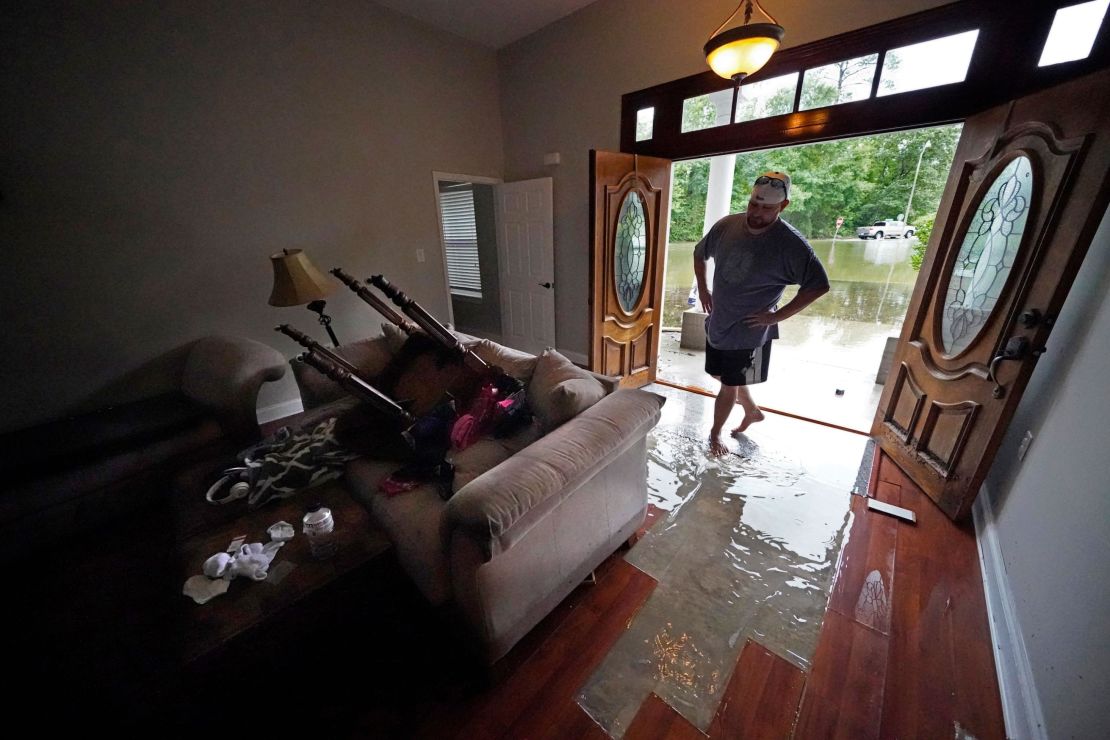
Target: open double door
{"x":1027,"y":190}
{"x":1026,"y":193}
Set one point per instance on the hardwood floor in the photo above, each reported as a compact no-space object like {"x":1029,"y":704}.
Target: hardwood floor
{"x":904,"y":651}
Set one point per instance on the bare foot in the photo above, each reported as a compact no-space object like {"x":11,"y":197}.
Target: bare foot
{"x":716,"y":446}
{"x":749,"y":419}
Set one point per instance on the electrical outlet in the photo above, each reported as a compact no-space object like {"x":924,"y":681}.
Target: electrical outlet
{"x":1024,"y":446}
{"x":420,"y":255}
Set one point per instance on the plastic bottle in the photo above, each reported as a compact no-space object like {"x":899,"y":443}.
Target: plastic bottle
{"x":319,"y":527}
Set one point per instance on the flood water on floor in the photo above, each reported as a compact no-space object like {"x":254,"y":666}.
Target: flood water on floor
{"x":824,"y":364}
{"x":747,"y":549}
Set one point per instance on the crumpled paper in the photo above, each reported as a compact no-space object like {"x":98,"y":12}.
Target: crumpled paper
{"x":249,"y":560}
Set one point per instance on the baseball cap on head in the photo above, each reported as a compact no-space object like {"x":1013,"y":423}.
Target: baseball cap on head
{"x":771,"y":187}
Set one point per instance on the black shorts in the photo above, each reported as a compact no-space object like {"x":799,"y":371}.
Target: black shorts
{"x":738,"y":366}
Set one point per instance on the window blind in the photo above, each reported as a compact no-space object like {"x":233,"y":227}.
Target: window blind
{"x":460,"y":234}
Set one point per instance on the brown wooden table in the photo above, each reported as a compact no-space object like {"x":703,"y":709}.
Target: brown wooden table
{"x":103,"y":621}
{"x":294,"y":574}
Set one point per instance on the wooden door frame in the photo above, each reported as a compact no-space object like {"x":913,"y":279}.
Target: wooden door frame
{"x":438,"y":177}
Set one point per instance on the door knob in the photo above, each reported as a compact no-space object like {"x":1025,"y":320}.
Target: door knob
{"x":1015,"y":349}
{"x":544,"y":285}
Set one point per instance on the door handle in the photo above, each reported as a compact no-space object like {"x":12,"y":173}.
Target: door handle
{"x":545,"y":285}
{"x":1016,"y":349}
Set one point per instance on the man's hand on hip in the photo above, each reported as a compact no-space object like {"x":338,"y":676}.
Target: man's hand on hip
{"x":762,"y":319}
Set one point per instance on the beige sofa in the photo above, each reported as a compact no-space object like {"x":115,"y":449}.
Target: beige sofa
{"x":532,"y":515}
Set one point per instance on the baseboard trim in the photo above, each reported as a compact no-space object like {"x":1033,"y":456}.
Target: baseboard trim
{"x":578,"y":358}
{"x":1021,"y":706}
{"x":276,"y":411}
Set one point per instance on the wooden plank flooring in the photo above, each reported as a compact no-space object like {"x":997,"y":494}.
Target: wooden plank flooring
{"x":762,"y":697}
{"x":904,"y":650}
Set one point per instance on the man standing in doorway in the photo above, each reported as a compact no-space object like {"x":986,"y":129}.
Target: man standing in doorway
{"x":755,"y":255}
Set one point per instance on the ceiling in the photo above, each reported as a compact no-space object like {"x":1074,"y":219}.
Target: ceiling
{"x":492,"y":23}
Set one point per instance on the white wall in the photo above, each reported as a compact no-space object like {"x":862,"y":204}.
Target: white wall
{"x":561,"y":89}
{"x":1052,"y":510}
{"x":156,"y":153}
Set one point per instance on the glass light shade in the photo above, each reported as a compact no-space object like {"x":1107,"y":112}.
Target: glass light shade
{"x":743,"y":50}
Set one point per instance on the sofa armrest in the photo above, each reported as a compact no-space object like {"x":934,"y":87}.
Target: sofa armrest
{"x":225,"y":373}
{"x":501,"y":505}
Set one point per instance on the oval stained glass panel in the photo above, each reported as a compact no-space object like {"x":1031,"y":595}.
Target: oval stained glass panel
{"x":986,"y":256}
{"x":630,"y":251}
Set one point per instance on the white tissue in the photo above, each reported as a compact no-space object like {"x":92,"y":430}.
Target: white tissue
{"x":281,"y":531}
{"x":203,"y":589}
{"x":251,"y":561}
{"x":217,"y":565}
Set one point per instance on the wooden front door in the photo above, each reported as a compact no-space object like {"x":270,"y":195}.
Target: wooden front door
{"x":1027,"y":190}
{"x":629,"y":201}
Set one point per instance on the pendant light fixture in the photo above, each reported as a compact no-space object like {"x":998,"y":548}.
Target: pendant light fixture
{"x":734,"y":53}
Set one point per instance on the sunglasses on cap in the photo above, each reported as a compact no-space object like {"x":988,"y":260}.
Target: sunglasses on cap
{"x":772,"y":181}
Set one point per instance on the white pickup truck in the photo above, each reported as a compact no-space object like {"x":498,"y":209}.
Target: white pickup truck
{"x":885,"y":230}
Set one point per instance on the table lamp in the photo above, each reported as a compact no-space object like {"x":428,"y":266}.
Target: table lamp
{"x":297,"y":282}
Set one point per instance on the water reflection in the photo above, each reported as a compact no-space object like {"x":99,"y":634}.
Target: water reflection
{"x":886,"y":251}
{"x":747,"y":551}
{"x":871,"y":281}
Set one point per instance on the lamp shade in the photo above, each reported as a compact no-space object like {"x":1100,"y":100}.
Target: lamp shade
{"x":296,"y":279}
{"x":741,"y":51}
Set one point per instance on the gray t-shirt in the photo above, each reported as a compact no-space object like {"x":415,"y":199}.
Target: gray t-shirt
{"x":750,"y":274}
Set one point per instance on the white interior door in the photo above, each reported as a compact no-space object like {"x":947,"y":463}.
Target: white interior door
{"x":526,"y":264}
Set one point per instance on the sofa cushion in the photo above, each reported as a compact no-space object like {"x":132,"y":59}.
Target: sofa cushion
{"x":394,"y":337}
{"x":477,"y":459}
{"x":559,"y":391}
{"x":414,"y":522}
{"x":488,"y":453}
{"x":368,"y":355}
{"x":517,"y":364}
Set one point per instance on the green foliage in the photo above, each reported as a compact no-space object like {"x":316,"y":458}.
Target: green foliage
{"x":924,"y":227}
{"x":689,"y":187}
{"x":863,"y":179}
{"x":698,"y":113}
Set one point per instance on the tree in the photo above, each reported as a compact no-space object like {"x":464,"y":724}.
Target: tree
{"x":924,"y":226}
{"x":863,"y":179}
{"x":689,"y":188}
{"x":833,"y":83}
